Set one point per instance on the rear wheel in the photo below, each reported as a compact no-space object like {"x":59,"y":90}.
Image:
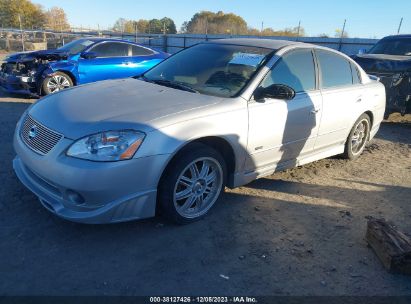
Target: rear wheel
{"x":358,"y":138}
{"x":191,"y":184}
{"x":55,"y":83}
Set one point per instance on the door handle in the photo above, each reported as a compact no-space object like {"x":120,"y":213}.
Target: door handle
{"x":359,"y":99}
{"x":315,"y":111}
{"x":126,"y":63}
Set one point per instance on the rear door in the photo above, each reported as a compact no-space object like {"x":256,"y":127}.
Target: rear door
{"x":112,"y":61}
{"x":342,"y":95}
{"x":142,"y":59}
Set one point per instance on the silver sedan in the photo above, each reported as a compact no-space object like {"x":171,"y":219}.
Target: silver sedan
{"x":221,"y":113}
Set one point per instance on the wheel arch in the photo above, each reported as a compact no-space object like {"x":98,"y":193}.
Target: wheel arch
{"x":70,"y":74}
{"x":220,"y":144}
{"x":371,"y":116}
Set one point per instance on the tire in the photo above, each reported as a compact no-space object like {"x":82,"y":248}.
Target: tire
{"x":358,"y":138}
{"x":188,"y":189}
{"x":55,"y":83}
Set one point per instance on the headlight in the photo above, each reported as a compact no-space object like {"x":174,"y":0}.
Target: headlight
{"x":107,"y":146}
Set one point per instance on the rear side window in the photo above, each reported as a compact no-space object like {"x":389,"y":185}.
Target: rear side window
{"x":111,"y":49}
{"x":355,"y":74}
{"x":295,"y":69}
{"x":140,"y":51}
{"x":335,"y":69}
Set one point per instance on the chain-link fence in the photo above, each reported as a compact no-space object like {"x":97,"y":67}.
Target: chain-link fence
{"x":17,"y":40}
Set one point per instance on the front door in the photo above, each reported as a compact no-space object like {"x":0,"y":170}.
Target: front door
{"x":112,"y":61}
{"x":282,"y":130}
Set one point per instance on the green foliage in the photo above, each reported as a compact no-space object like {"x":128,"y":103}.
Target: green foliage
{"x":56,"y":19}
{"x":207,"y":22}
{"x":290,"y":32}
{"x":154,"y":26}
{"x":31,"y":15}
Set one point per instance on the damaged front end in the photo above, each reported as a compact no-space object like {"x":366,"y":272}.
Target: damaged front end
{"x":398,"y":91}
{"x":23,"y":73}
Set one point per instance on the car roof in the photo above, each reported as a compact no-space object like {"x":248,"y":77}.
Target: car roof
{"x":99,"y":39}
{"x":398,"y":36}
{"x":273,"y":44}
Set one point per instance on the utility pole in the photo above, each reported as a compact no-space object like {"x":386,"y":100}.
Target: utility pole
{"x":298,"y":29}
{"x":136,"y":30}
{"x":262,"y":27}
{"x":22,"y":34}
{"x":342,"y":35}
{"x":164,"y":28}
{"x":399,"y":27}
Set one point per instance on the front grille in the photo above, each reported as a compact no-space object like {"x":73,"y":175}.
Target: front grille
{"x":38,"y":137}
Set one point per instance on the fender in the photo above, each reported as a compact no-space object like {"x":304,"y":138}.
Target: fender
{"x":69,"y":67}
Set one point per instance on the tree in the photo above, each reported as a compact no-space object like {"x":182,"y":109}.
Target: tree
{"x":119,"y":25}
{"x":207,"y":22}
{"x":169,"y":24}
{"x":323,"y":35}
{"x":142,"y":26}
{"x":154,"y":26}
{"x":290,"y":32}
{"x":56,"y":19}
{"x":12,"y":11}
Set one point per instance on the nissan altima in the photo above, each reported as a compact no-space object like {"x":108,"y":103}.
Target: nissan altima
{"x":221,"y":113}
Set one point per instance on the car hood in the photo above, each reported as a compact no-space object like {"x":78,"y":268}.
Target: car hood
{"x":382,"y":63}
{"x":115,"y":105}
{"x":52,"y":55}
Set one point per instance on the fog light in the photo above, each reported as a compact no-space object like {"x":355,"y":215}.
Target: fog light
{"x":74,"y":197}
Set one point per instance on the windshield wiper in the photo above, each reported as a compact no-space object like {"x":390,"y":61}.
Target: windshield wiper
{"x":172,"y":84}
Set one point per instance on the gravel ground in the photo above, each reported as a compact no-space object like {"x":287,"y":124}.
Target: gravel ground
{"x":299,"y":232}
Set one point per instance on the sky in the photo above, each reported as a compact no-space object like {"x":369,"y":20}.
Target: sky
{"x":365,"y":18}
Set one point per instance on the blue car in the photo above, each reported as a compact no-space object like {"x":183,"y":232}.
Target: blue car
{"x":78,"y":62}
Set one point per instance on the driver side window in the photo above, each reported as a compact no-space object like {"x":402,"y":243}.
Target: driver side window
{"x":294,"y":69}
{"x":111,"y":49}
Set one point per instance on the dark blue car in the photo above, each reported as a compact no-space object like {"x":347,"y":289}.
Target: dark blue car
{"x":78,"y":62}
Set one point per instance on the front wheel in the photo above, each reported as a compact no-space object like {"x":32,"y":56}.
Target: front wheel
{"x":55,"y":83}
{"x":191,"y":184}
{"x":358,"y":138}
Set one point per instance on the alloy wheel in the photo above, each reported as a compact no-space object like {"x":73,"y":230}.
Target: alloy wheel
{"x":360,"y":136}
{"x":198,"y":187}
{"x":57,"y":83}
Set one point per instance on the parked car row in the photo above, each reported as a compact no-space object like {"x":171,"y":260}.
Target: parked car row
{"x":221,"y":113}
{"x":78,"y":62}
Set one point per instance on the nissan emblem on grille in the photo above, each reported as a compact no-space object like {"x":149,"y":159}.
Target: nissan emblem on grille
{"x":37,"y":137}
{"x":33,"y":132}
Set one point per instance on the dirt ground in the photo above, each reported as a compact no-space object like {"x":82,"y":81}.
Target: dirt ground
{"x":299,"y":232}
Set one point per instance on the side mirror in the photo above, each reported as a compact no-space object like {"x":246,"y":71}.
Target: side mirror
{"x":88,"y":55}
{"x":362,"y":51}
{"x":275,"y":91}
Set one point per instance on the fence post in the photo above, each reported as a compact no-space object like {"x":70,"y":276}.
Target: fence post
{"x":8,"y":48}
{"x":165,"y":41}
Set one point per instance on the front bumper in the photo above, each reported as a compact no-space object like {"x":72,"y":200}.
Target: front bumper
{"x":18,"y":84}
{"x":112,"y":191}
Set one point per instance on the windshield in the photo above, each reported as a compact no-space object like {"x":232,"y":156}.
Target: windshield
{"x":212,"y":69}
{"x":401,"y":46}
{"x":76,"y":46}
